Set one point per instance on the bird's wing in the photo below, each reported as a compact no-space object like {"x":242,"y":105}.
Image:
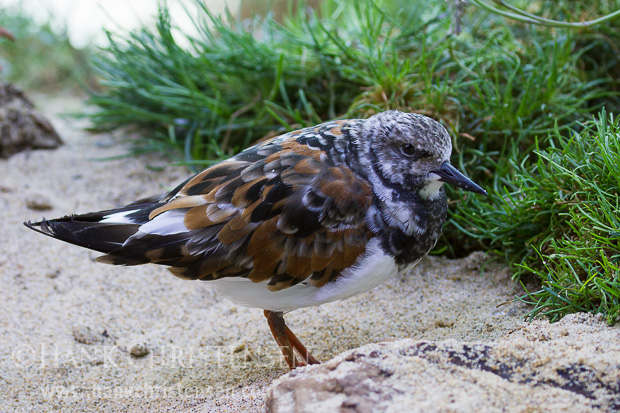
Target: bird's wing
{"x":281,"y":212}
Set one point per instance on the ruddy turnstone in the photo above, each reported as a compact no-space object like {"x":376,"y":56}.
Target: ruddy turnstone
{"x":308,"y":217}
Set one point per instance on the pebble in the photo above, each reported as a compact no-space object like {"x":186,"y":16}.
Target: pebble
{"x":53,"y":274}
{"x":139,"y":349}
{"x":38,"y":202}
{"x":86,"y":335}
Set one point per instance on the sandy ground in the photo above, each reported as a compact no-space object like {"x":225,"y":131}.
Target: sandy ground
{"x":80,"y":336}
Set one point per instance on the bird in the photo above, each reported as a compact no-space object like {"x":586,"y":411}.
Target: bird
{"x":308,"y":217}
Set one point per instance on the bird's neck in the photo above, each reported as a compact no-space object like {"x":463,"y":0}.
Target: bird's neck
{"x":408,"y":226}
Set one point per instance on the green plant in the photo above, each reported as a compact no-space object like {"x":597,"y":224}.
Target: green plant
{"x":512,"y":12}
{"x":559,"y":218}
{"x":580,"y":267}
{"x":41,"y":58}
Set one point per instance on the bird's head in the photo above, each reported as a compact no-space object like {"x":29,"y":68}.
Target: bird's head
{"x":412,"y":152}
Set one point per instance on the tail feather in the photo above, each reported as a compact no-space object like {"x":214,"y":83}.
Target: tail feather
{"x":108,"y":231}
{"x":85,"y":231}
{"x":157,"y":249}
{"x":99,"y":231}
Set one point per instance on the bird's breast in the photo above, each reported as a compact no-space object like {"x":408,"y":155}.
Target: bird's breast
{"x":371,"y":269}
{"x":410,"y":230}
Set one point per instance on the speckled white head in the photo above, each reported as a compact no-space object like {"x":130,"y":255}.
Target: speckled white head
{"x":405,"y":150}
{"x":409,"y":152}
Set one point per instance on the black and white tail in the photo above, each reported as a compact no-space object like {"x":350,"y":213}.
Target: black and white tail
{"x":103,"y":231}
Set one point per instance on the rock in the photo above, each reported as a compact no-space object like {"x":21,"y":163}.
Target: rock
{"x":21,"y":127}
{"x":53,"y":274}
{"x":137,"y":346}
{"x":445,"y":321}
{"x":139,"y":349}
{"x":6,"y":34}
{"x":86,"y":335}
{"x":38,"y":202}
{"x":572,"y":365}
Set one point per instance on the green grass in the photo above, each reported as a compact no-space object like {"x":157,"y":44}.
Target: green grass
{"x":41,"y":58}
{"x":238,"y":82}
{"x":516,"y":98}
{"x":561,"y":219}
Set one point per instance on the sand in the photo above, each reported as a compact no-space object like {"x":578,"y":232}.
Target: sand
{"x":81,"y":336}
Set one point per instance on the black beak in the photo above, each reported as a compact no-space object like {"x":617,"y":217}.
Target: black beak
{"x":450,"y":175}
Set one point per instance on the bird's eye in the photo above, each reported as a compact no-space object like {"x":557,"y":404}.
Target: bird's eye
{"x":408,"y":149}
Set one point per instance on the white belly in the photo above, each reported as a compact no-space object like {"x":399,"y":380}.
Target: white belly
{"x":370,"y":270}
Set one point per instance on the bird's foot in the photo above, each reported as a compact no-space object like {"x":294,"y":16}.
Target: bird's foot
{"x":288,"y":342}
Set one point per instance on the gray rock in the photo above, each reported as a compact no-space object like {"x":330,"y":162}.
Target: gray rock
{"x":573,"y":365}
{"x":53,"y":274}
{"x":86,"y":335}
{"x":139,"y":349}
{"x":38,"y":202}
{"x":21,"y":126}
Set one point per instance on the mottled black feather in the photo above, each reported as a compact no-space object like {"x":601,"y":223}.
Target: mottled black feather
{"x":253,"y":193}
{"x":279,"y":191}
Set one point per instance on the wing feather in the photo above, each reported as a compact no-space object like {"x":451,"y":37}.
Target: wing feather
{"x":281,"y":212}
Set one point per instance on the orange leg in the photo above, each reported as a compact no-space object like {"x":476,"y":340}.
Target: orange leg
{"x":305,"y":355}
{"x":288,"y":342}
